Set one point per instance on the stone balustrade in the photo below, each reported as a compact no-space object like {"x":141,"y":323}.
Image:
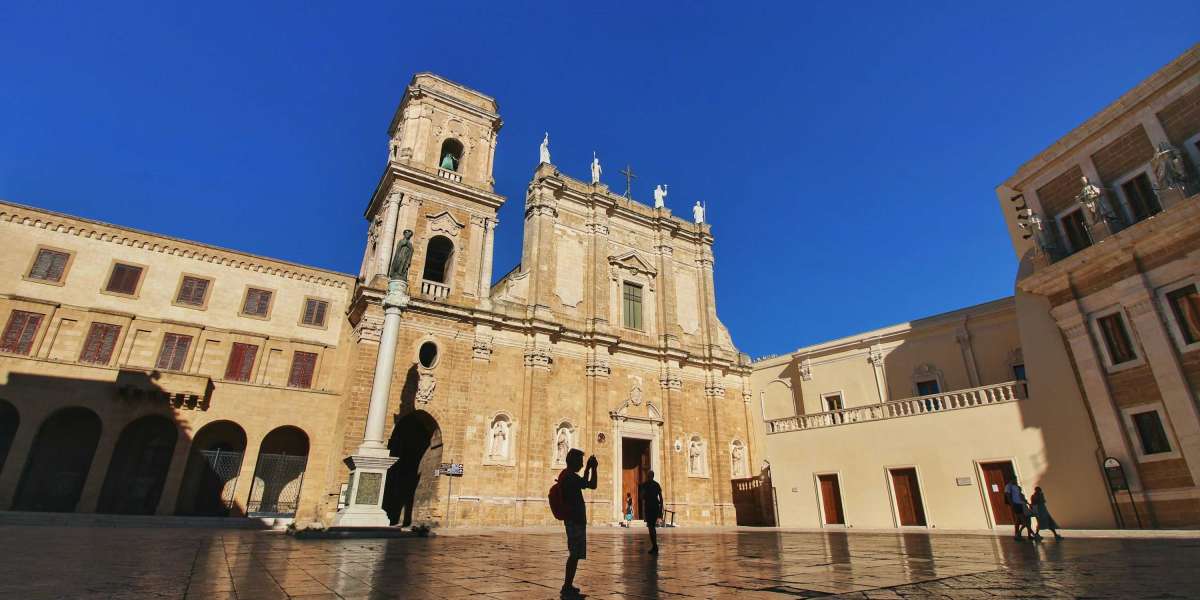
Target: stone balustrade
{"x":958,"y":399}
{"x":434,"y":290}
{"x":448,"y":174}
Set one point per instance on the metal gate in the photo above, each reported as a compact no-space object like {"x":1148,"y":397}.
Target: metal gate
{"x":223,"y":469}
{"x":276,"y":488}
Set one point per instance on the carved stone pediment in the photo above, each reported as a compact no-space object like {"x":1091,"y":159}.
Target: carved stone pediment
{"x":629,"y":412}
{"x":630,"y":261}
{"x":444,"y":222}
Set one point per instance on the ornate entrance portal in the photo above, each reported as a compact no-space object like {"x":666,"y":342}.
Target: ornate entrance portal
{"x":637,"y":447}
{"x":635,"y":464}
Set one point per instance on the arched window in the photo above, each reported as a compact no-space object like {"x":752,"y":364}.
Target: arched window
{"x":437,"y":259}
{"x":451,"y":155}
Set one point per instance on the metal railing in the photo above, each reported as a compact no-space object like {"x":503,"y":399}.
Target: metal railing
{"x":1010,"y":391}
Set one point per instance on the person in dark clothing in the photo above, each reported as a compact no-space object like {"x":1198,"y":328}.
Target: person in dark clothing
{"x":650,"y":494}
{"x":1044,"y":520}
{"x":576,"y":521}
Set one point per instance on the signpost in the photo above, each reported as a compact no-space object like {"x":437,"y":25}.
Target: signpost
{"x":1114,"y":473}
{"x":450,"y":470}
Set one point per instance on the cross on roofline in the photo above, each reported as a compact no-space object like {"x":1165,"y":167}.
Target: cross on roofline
{"x":629,"y":177}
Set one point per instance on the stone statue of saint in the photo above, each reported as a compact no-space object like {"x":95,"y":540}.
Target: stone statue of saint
{"x":660,"y":196}
{"x":1089,"y":194}
{"x":596,"y":170}
{"x":561,"y":446}
{"x":739,"y":460}
{"x":545,"y":150}
{"x":499,"y":447}
{"x":698,"y":213}
{"x":695,"y":457}
{"x":1169,"y":170}
{"x":402,"y":258}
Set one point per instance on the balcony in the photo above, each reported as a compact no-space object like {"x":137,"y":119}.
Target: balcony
{"x":448,"y":174}
{"x":921,"y":405}
{"x":435,"y":291}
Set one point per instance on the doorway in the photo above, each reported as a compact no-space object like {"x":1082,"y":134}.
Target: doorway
{"x":907,"y":490}
{"x":995,"y":476}
{"x":411,"y":490}
{"x":831,"y":499}
{"x":635,"y":464}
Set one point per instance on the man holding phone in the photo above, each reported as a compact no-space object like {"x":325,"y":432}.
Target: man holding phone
{"x":576,"y":521}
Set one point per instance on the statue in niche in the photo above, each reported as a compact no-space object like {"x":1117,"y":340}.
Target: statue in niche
{"x":660,"y":196}
{"x":635,"y":393}
{"x":426,"y":383}
{"x":562,"y":444}
{"x":544,"y":150}
{"x":596,"y":170}
{"x":696,"y":457}
{"x":698,"y":213}
{"x":738,"y":456}
{"x":500,"y":434}
{"x":402,"y":258}
{"x":1169,"y":170}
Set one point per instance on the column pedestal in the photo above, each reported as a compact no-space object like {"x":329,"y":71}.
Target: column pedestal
{"x":369,"y":464}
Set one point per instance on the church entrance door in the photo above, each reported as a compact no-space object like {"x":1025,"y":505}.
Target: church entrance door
{"x":410,"y":493}
{"x":635,"y":464}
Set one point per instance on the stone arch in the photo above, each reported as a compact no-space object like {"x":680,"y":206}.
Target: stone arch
{"x":438,"y":263}
{"x":451,"y":155}
{"x":10,"y":421}
{"x":138,"y":470}
{"x":410,"y":494}
{"x":59,"y":462}
{"x":214,"y":462}
{"x":279,"y":473}
{"x":779,"y":401}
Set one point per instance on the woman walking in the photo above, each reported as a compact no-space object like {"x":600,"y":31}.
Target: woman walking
{"x":1044,"y":520}
{"x":628,"y":510}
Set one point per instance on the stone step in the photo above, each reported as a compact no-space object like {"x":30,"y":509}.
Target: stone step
{"x":147,"y":521}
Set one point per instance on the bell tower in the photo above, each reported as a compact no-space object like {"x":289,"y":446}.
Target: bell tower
{"x":438,"y":183}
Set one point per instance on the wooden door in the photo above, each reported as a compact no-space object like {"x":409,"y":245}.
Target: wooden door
{"x":995,"y":476}
{"x":908,"y":497}
{"x":635,"y":462}
{"x":831,"y":499}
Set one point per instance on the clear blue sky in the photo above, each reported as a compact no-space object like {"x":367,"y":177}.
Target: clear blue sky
{"x":848,"y":155}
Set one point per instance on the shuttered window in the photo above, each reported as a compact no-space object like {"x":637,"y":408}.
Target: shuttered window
{"x":314,"y":312}
{"x":1116,"y":339}
{"x":303,"y":365}
{"x":1185,"y":306}
{"x":123,"y":279}
{"x":20,"y":331}
{"x":632,"y":303}
{"x":100,"y":343}
{"x":258,"y":302}
{"x":49,"y":265}
{"x":174,"y":351}
{"x":1150,"y":432}
{"x":241,"y":362}
{"x":192,"y":291}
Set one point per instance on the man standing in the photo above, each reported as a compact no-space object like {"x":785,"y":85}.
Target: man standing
{"x":650,"y":493}
{"x":1016,"y":500}
{"x":576,"y":522}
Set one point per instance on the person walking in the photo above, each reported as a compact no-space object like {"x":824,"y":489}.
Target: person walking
{"x":1015,"y":499}
{"x":1042,"y":514}
{"x":576,"y":522}
{"x":628,"y":510}
{"x":650,"y":493}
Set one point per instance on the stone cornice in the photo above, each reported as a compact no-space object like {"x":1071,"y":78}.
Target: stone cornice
{"x":152,"y":242}
{"x":427,"y":182}
{"x":416,"y":90}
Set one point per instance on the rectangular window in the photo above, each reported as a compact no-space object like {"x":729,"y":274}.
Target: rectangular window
{"x":928,"y":387}
{"x":258,"y":302}
{"x":632,"y":302}
{"x":174,"y":351}
{"x":124,"y":279}
{"x":1185,"y":307}
{"x":20,"y":331}
{"x":1075,"y":229}
{"x":1143,"y":202}
{"x":100,"y":343}
{"x":1116,"y":339}
{"x":241,"y":362}
{"x":49,"y":265}
{"x":1150,"y":432}
{"x":833,"y":401}
{"x":314,"y":312}
{"x":303,"y":366}
{"x":192,"y":291}
{"x":1019,"y":375}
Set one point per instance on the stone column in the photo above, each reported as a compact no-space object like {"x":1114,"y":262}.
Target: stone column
{"x":369,"y":464}
{"x":485,"y":262}
{"x":1113,"y":440}
{"x":1168,"y":374}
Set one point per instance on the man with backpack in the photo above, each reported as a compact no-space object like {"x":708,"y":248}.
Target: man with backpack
{"x":566,"y":502}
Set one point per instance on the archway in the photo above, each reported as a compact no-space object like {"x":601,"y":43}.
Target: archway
{"x":59,"y":462}
{"x":437,"y":259}
{"x":212,"y":471}
{"x":10,"y":419}
{"x":139,"y":466}
{"x":410,"y":493}
{"x":451,"y":154}
{"x":279,"y":473}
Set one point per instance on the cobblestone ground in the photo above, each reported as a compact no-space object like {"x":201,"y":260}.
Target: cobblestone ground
{"x":98,"y":562}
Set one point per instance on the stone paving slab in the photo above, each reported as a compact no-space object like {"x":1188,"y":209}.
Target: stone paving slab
{"x":118,"y":563}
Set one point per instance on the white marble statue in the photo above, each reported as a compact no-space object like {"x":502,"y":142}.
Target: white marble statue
{"x":660,"y":196}
{"x":596,"y":170}
{"x":698,"y":213}
{"x":738,"y":455}
{"x":1089,"y":194}
{"x":499,"y":447}
{"x":544,"y":150}
{"x":426,"y":384}
{"x":696,"y":457}
{"x":562,"y":445}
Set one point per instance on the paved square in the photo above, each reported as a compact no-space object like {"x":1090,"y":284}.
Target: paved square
{"x":100,"y":562}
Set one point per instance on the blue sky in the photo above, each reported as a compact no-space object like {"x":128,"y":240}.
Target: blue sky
{"x":848,"y":156}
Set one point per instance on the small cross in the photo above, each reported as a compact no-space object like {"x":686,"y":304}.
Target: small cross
{"x":629,"y":177}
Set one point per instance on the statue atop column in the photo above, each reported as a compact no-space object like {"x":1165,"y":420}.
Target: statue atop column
{"x":698,"y":213}
{"x":596,"y":170}
{"x":660,"y":196}
{"x":544,"y":150}
{"x":402,"y":258}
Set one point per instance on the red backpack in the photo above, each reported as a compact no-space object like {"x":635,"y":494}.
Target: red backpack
{"x":558,"y":506}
